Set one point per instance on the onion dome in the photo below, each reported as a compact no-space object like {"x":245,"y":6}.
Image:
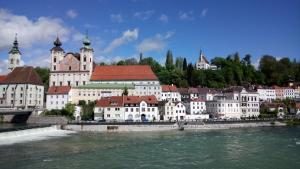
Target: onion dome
{"x":57,"y":45}
{"x":15,"y":48}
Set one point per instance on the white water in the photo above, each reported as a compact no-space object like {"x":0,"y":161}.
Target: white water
{"x":21,"y":136}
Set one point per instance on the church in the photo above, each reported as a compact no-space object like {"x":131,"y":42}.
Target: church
{"x":71,"y":69}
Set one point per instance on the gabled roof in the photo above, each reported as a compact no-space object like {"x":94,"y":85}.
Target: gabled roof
{"x":119,"y":101}
{"x":122,"y":73}
{"x":2,"y":77}
{"x":58,"y":90}
{"x":202,"y":58}
{"x":169,"y":88}
{"x":23,"y":75}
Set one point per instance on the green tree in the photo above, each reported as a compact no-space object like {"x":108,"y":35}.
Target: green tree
{"x":169,"y":60}
{"x":184,"y":66}
{"x":125,"y":92}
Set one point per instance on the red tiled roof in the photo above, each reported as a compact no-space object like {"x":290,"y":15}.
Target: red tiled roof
{"x":23,"y":75}
{"x":58,"y":90}
{"x":2,"y":77}
{"x":169,"y":88}
{"x":128,"y":72}
{"x":119,"y":101}
{"x":183,"y":91}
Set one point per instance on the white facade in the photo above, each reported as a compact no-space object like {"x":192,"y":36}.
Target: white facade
{"x":266,"y":94}
{"x":21,"y":96}
{"x":174,"y":111}
{"x":56,"y":101}
{"x":224,"y":108}
{"x":169,"y":95}
{"x":289,"y":93}
{"x":203,"y":64}
{"x":141,"y":88}
{"x":197,"y":106}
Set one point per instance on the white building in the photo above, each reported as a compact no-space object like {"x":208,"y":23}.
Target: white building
{"x":207,"y":93}
{"x":266,"y":94}
{"x":170,"y":92}
{"x":57,"y":97}
{"x":127,"y":108}
{"x":71,"y":69}
{"x":197,"y":106}
{"x":222,"y":107}
{"x":22,"y":88}
{"x":174,"y":111}
{"x":203,"y":64}
{"x":141,"y":77}
{"x":249,"y":100}
{"x":288,"y":93}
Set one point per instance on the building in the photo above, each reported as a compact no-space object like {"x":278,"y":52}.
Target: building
{"x":22,"y":88}
{"x":71,"y":69}
{"x":127,"y":108}
{"x":96,"y":91}
{"x":207,"y":93}
{"x":266,"y":94}
{"x":14,"y":57}
{"x":143,"y":79}
{"x":173,"y":111}
{"x":57,"y":97}
{"x":203,"y":64}
{"x":279,"y":92}
{"x":170,"y":92}
{"x":197,"y":106}
{"x":188,"y":93}
{"x":249,"y":100}
{"x":224,"y":107}
{"x":284,"y":92}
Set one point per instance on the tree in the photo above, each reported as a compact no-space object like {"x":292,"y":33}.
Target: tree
{"x":169,"y":60}
{"x":179,"y":63}
{"x":141,"y":57}
{"x":87,"y":111}
{"x":184,"y":66}
{"x":189,"y":73}
{"x":44,"y":75}
{"x":125,"y":91}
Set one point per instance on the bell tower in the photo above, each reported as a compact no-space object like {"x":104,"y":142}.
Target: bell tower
{"x":14,"y":58}
{"x":57,"y":54}
{"x":86,"y":56}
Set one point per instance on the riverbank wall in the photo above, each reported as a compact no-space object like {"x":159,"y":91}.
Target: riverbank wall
{"x":163,"y":127}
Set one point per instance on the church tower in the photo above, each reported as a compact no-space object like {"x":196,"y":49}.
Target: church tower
{"x":86,"y":56}
{"x":57,"y":54}
{"x":14,"y":58}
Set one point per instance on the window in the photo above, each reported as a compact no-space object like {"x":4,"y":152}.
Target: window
{"x":70,"y":68}
{"x":20,"y":101}
{"x":84,"y":59}
{"x":84,"y":67}
{"x":69,"y":83}
{"x":126,"y":109}
{"x":54,"y":67}
{"x":108,"y":115}
{"x":11,"y":61}
{"x":54,"y":60}
{"x":21,"y":88}
{"x":53,"y":83}
{"x":60,"y":83}
{"x":83,"y":82}
{"x":76,"y":83}
{"x":21,"y":95}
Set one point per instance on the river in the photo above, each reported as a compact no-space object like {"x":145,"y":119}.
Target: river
{"x":261,"y":148}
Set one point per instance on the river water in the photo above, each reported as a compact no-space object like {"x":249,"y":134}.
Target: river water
{"x":261,"y":148}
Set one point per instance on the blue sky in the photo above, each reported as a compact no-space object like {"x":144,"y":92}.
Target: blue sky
{"x":121,"y":29}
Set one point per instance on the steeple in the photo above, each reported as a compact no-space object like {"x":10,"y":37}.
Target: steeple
{"x":57,"y":45}
{"x":86,"y":42}
{"x":15,"y":48}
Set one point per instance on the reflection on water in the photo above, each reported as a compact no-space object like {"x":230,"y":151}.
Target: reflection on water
{"x":238,"y":148}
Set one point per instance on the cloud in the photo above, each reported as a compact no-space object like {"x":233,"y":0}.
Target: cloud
{"x":116,"y":18}
{"x":71,"y":13}
{"x":43,"y":57}
{"x":163,"y":18}
{"x":128,"y":36}
{"x":3,"y":67}
{"x":204,"y":12}
{"x":187,"y":16}
{"x":40,"y":31}
{"x":145,"y":15}
{"x":156,"y":43}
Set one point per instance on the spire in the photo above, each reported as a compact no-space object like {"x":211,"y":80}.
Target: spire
{"x":57,"y":42}
{"x":15,"y":48}
{"x":86,"y":41}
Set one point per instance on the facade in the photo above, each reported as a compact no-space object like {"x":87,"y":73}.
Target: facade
{"x":170,"y":92}
{"x":249,"y":100}
{"x":22,"y":88}
{"x":206,"y":93}
{"x":93,"y":92}
{"x":279,"y":92}
{"x":14,"y":57}
{"x":266,"y":94}
{"x":188,"y":93}
{"x":224,"y":107}
{"x":174,"y":111}
{"x":141,"y":77}
{"x":288,"y":93}
{"x":197,"y":106}
{"x":203,"y":64}
{"x":127,"y":108}
{"x":57,"y":97}
{"x":71,"y":69}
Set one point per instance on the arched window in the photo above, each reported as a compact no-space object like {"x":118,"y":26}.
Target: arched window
{"x":17,"y":61}
{"x":11,"y":61}
{"x":84,"y":58}
{"x":54,"y":60}
{"x":70,"y":68}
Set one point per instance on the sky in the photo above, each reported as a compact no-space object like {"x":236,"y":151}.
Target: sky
{"x":120,"y":29}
